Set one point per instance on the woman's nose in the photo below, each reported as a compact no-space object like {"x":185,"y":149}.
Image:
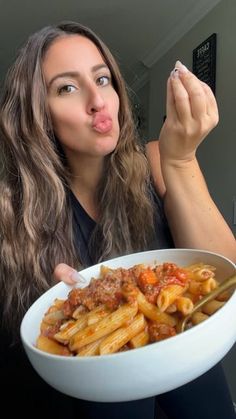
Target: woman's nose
{"x":95,"y":100}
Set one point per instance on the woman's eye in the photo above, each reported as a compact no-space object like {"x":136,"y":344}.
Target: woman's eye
{"x":103,"y":81}
{"x":68,"y":88}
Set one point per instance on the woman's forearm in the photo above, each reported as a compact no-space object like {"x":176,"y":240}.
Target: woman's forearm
{"x":194,"y":219}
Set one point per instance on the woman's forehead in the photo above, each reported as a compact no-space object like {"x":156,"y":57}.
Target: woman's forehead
{"x":72,"y":50}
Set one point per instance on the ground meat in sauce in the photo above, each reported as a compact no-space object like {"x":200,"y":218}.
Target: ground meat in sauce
{"x":160,"y":331}
{"x":50,"y":330}
{"x":115,"y":288}
{"x":108,"y":291}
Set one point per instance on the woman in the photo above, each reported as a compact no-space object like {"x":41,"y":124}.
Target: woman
{"x":76,"y":189}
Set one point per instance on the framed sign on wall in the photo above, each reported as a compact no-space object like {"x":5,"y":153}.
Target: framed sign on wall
{"x":204,"y":61}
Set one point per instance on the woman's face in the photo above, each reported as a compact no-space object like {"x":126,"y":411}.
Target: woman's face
{"x":82,"y":101}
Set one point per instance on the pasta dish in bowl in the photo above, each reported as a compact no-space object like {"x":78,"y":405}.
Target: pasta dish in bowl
{"x":122,"y":326}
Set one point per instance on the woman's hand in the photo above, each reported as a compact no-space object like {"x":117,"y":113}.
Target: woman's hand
{"x":193,"y":217}
{"x":191,"y":114}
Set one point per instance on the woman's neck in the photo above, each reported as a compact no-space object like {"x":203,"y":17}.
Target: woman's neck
{"x":85,"y":177}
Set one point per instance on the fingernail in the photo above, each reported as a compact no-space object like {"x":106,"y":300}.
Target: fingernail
{"x":174,"y":73}
{"x":181,"y":67}
{"x":77,"y":277}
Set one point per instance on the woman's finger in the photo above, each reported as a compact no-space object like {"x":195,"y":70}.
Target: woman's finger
{"x":65,"y":273}
{"x":180,"y":98}
{"x":170,"y":102}
{"x":212,"y":108}
{"x":196,"y":94}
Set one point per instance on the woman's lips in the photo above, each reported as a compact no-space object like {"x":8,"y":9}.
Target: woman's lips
{"x":102,"y":123}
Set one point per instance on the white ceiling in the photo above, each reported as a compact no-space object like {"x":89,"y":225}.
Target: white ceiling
{"x":137,"y":31}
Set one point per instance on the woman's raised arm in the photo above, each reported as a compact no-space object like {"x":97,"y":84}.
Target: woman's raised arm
{"x":194,"y":219}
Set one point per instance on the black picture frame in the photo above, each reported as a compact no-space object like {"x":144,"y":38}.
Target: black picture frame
{"x":204,"y":61}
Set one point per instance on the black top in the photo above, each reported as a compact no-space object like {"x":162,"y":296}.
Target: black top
{"x":84,"y":226}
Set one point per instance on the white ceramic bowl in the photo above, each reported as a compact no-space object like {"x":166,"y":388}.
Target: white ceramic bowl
{"x":143,"y":372}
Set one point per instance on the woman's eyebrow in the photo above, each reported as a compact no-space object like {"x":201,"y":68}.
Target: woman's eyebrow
{"x":75,"y":74}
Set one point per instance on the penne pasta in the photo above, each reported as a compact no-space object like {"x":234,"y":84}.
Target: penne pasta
{"x":141,"y":339}
{"x":212,"y":306}
{"x":58,"y":303}
{"x":68,"y":330}
{"x":152,"y":312}
{"x":199,"y":267}
{"x":78,"y":311}
{"x":128,"y":308}
{"x":97,"y":314}
{"x":121,"y":336}
{"x":102,"y":328}
{"x":198,"y":317}
{"x":52,"y":347}
{"x":195,"y":287}
{"x":171,"y":309}
{"x":203,"y":273}
{"x":184,"y":305}
{"x":168,"y":296}
{"x":54,"y":316}
{"x":208,"y":286}
{"x":91,"y":349}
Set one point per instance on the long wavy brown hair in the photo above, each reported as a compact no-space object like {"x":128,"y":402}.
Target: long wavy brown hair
{"x":36,"y":230}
